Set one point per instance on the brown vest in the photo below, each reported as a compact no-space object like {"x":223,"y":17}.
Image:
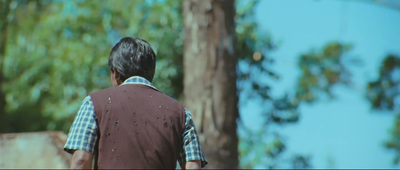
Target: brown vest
{"x":139,"y":127}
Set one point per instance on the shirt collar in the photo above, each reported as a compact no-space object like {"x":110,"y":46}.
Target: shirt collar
{"x":138,"y":80}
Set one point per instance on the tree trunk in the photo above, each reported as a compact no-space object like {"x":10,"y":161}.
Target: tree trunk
{"x":210,"y":77}
{"x":5,"y":9}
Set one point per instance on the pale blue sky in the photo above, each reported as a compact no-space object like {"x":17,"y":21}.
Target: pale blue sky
{"x":343,"y":133}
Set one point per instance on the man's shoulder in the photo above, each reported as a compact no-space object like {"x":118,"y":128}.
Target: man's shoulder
{"x":172,"y":100}
{"x":102,"y":91}
{"x":102,"y":94}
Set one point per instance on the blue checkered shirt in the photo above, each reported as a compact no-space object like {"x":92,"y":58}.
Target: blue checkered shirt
{"x":83,"y":132}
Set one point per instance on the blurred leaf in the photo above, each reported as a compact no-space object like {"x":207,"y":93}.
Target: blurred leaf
{"x":301,"y":162}
{"x":321,"y":71}
{"x":382,"y":93}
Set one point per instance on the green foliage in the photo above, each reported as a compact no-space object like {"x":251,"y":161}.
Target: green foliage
{"x":301,"y":162}
{"x":257,"y":149}
{"x":59,"y":54}
{"x":254,"y":47}
{"x":320,"y":71}
{"x":384,"y":94}
{"x":394,"y":142}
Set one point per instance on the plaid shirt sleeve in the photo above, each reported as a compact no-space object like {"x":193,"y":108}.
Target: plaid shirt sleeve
{"x":191,"y":148}
{"x":83,"y":132}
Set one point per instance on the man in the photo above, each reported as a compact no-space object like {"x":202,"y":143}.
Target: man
{"x":133,"y":125}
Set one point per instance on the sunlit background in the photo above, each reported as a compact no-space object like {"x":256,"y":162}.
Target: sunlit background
{"x":346,"y":131}
{"x":318,"y":80}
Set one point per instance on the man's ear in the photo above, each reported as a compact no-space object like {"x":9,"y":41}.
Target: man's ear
{"x":115,"y":77}
{"x":115,"y":74}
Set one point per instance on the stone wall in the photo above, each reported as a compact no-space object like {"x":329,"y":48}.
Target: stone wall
{"x":33,"y":150}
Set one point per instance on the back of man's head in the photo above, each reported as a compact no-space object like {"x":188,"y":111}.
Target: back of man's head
{"x":132,"y":57}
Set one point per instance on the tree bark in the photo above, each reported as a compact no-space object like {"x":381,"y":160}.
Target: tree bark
{"x":210,"y":77}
